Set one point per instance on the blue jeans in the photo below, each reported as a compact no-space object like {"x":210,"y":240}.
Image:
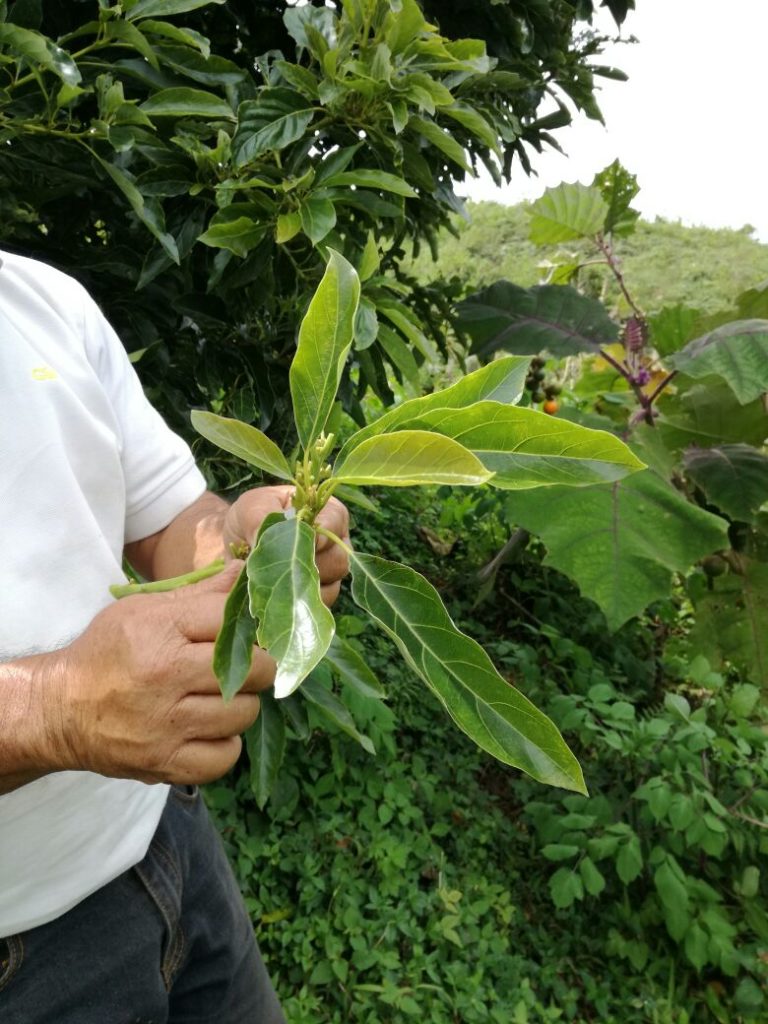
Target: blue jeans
{"x":168,"y":942}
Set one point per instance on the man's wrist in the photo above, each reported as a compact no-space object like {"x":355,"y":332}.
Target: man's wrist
{"x":31,"y":737}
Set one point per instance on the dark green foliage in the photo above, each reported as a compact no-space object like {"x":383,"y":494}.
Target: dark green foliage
{"x":423,"y":886}
{"x":190,"y":171}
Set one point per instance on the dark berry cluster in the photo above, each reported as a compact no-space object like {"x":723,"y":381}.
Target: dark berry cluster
{"x":542,"y":390}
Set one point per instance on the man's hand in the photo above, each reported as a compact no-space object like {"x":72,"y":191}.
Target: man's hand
{"x":135,"y":695}
{"x":244,"y":518}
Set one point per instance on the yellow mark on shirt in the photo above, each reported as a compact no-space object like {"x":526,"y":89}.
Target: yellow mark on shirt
{"x":44,"y":373}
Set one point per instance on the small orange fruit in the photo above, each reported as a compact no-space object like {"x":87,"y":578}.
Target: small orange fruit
{"x":550,"y":406}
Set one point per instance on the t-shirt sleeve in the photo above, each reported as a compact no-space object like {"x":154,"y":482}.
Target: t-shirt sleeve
{"x":161,"y":478}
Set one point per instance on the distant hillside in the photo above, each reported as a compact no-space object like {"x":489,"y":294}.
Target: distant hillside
{"x":663,"y":262}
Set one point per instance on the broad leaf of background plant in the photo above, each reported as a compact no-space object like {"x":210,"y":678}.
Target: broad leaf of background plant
{"x":244,"y":441}
{"x":709,"y":414}
{"x":265,"y":743}
{"x":233,"y":650}
{"x":567,"y":212}
{"x":734,"y":477}
{"x":294,"y":626}
{"x":732,"y":620}
{"x":503,"y":380}
{"x":737,"y":352}
{"x":672,"y":328}
{"x":529,"y":320}
{"x":325,"y":337}
{"x":524,"y":448}
{"x":409,"y":457}
{"x":621,"y":543}
{"x":459,"y":672}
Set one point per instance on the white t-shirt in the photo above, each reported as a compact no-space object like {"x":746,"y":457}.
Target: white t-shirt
{"x":86,"y":464}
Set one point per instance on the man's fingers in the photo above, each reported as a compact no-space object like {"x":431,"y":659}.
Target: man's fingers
{"x":201,"y":761}
{"x":330,"y":593}
{"x":208,"y":717}
{"x":262,"y":673}
{"x":334,"y":517}
{"x":333,"y":564}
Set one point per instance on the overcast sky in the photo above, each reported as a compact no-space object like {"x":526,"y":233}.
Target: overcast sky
{"x":690,"y":122}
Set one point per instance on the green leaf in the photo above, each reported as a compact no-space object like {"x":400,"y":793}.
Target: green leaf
{"x":352,"y":496}
{"x":459,"y":672}
{"x":370,"y":179}
{"x":410,"y":457}
{"x":404,"y":320}
{"x":594,"y":882}
{"x":732,"y":621}
{"x":527,"y":321}
{"x":622,"y":543}
{"x":475,"y":123}
{"x":184,"y":36}
{"x":674,"y":897}
{"x":265,"y":743}
{"x":318,"y":217}
{"x":696,"y":945}
{"x":294,"y":626}
{"x":233,"y":650}
{"x":734,"y":477}
{"x":737,"y":352}
{"x":319,"y":694}
{"x":288,"y":226}
{"x":301,"y":21}
{"x":166,"y":8}
{"x":672,"y":327}
{"x":244,"y":441}
{"x":709,"y":414}
{"x":349,"y":665}
{"x":567,"y":212}
{"x":399,"y":355}
{"x":524,"y":448}
{"x":503,"y":380}
{"x":629,"y":862}
{"x":618,"y":188}
{"x":565,"y":887}
{"x":369,"y":260}
{"x":325,"y":337}
{"x":560,"y":851}
{"x":214,"y":71}
{"x":442,"y":140}
{"x":366,"y":324}
{"x":239,"y":234}
{"x":401,"y":28}
{"x":39,"y":50}
{"x":681,"y":812}
{"x":184,"y":102}
{"x":274,"y":120}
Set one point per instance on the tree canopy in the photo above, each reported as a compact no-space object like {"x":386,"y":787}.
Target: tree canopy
{"x":190,"y":161}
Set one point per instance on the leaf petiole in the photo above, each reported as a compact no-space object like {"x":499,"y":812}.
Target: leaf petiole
{"x":162,"y":586}
{"x":332,"y":536}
